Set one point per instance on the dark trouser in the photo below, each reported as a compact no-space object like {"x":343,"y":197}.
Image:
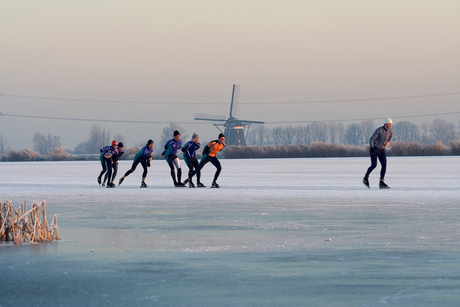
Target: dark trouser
{"x":171,"y":158}
{"x":214,"y":162}
{"x":142,"y":161}
{"x":106,"y":166}
{"x":114,"y":172}
{"x":192,"y":164}
{"x":382,"y":156}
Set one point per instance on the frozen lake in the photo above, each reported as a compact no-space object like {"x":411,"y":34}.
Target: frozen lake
{"x":262,"y":239}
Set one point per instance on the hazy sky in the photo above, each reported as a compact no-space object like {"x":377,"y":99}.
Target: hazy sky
{"x":163,"y":61}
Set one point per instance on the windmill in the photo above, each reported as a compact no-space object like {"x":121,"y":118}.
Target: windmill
{"x":234,"y":127}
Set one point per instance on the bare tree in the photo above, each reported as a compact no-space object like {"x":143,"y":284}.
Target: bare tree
{"x":319,"y":132}
{"x":440,"y":130}
{"x":452,"y":134}
{"x":4,"y":148}
{"x":277,"y":135}
{"x":98,"y":138}
{"x":262,"y":135}
{"x":368,"y":128}
{"x":45,"y":143}
{"x":426,"y":138}
{"x":307,"y":135}
{"x":425,"y":126}
{"x":406,"y":131}
{"x":258,"y":136}
{"x":354,"y":134}
{"x":251,"y":138}
{"x":299,"y":135}
{"x":168,"y":133}
{"x":333,"y":132}
{"x":288,"y":135}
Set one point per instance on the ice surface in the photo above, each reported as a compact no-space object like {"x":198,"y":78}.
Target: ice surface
{"x":262,"y":239}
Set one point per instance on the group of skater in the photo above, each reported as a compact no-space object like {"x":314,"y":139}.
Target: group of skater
{"x":379,"y":140}
{"x":110,"y":155}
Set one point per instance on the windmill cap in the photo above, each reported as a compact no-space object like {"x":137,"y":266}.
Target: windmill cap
{"x":388,"y":121}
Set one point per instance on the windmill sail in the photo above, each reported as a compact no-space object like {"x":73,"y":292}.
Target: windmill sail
{"x":235,"y":101}
{"x":210,"y":117}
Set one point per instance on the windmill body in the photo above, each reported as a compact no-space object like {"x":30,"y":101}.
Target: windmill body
{"x":235,"y":129}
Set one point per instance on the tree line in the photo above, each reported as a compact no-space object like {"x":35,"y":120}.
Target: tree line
{"x":48,"y":147}
{"x":318,"y":139}
{"x":356,"y":134}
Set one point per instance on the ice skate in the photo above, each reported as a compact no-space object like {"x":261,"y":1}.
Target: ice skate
{"x":200,"y":185}
{"x":215,"y":185}
{"x":99,"y":180}
{"x":366,"y":181}
{"x":121,"y":180}
{"x":191,"y":184}
{"x":383,"y":185}
{"x":143,"y":184}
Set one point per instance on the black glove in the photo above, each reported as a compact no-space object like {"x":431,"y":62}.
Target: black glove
{"x":374,"y":151}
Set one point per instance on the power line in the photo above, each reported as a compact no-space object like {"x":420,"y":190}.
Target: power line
{"x":358,"y":119}
{"x":96,"y":120}
{"x":360,"y":100}
{"x":200,"y":123}
{"x":225,"y":104}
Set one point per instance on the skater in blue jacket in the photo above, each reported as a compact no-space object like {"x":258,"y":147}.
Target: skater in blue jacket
{"x":190,"y":159}
{"x":144,"y":156}
{"x":170,"y":153}
{"x":379,"y":140}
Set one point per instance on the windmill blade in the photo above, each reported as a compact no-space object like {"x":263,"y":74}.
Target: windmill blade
{"x":235,"y":100}
{"x":250,"y":122}
{"x":211,"y":117}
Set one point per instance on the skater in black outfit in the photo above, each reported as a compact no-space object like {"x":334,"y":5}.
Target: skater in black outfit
{"x":189,"y":150}
{"x":115,"y":158}
{"x":106,"y":155}
{"x":379,"y":140}
{"x":209,"y":155}
{"x":144,"y":156}
{"x":170,"y":153}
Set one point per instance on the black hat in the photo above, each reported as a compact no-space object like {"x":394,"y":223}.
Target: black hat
{"x":150,"y":142}
{"x":221,"y":135}
{"x":176,"y":133}
{"x":120,"y":144}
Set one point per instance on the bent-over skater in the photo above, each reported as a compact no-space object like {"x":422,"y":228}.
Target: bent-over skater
{"x":209,"y":155}
{"x":144,"y":156}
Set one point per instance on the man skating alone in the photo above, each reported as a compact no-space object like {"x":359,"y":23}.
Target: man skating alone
{"x":379,"y":140}
{"x":209,"y":155}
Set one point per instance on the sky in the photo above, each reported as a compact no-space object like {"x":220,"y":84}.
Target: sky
{"x":135,"y":66}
